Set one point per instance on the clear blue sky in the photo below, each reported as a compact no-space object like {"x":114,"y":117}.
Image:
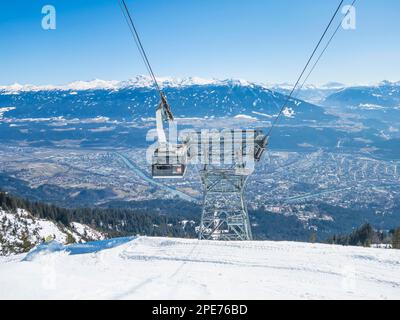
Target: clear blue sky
{"x":257,"y":40}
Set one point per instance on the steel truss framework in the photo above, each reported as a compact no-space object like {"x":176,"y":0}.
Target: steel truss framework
{"x":224,"y":176}
{"x":224,"y":216}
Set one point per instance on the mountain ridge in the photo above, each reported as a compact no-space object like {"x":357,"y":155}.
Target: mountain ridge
{"x":142,"y":81}
{"x":139,"y":81}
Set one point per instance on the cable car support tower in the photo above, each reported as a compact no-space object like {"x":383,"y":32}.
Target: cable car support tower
{"x":227,"y":158}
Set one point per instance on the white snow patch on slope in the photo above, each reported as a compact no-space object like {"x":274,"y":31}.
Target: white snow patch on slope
{"x":370,"y":106}
{"x":160,"y":268}
{"x":243,"y":116}
{"x":288,"y":112}
{"x":4,"y":110}
{"x":264,"y":114}
{"x":86,"y":232}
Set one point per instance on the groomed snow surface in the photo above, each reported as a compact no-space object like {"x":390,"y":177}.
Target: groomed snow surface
{"x":160,"y":268}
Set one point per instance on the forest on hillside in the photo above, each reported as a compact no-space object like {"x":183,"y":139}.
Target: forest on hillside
{"x":142,"y":219}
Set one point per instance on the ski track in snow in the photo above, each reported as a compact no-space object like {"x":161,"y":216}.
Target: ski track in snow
{"x":161,"y":268}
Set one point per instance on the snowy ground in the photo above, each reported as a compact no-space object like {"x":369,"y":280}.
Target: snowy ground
{"x":159,"y":268}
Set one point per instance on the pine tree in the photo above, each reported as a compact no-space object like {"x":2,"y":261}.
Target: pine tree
{"x":70,"y":239}
{"x":396,"y":239}
{"x":313,"y":237}
{"x":362,"y":236}
{"x":26,"y":244}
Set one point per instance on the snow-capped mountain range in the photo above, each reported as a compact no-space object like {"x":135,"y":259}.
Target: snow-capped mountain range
{"x":384,"y":95}
{"x":136,"y":82}
{"x":136,"y":99}
{"x":142,"y":81}
{"x":192,"y":100}
{"x":333,"y":93}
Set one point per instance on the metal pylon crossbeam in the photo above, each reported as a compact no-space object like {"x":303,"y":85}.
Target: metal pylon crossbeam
{"x":225,"y":216}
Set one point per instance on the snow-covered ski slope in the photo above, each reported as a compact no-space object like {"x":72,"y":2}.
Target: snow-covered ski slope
{"x":160,"y":268}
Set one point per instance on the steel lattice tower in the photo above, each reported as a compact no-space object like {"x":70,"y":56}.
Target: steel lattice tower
{"x":224,"y":216}
{"x":228,"y":159}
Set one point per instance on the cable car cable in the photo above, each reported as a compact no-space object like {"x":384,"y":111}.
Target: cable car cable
{"x":304,"y":70}
{"x":139,"y":44}
{"x":323,"y":51}
{"x":134,"y":37}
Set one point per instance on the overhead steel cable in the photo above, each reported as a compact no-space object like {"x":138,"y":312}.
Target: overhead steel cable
{"x":134,"y":36}
{"x":135,"y":33}
{"x":304,"y":69}
{"x":325,"y":48}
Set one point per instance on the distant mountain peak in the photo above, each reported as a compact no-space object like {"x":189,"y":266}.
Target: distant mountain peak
{"x":333,"y":85}
{"x":328,"y":86}
{"x":388,"y":83}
